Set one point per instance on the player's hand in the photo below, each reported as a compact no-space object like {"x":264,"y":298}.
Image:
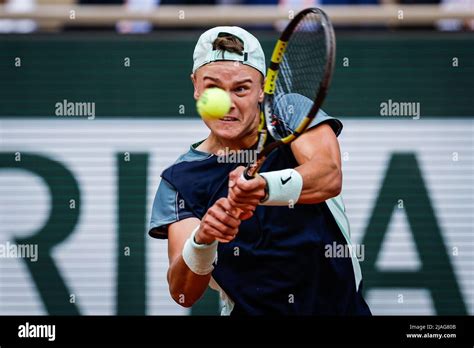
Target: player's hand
{"x":218,"y":224}
{"x":245,"y":194}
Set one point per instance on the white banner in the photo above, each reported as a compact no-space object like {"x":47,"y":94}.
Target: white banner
{"x":87,"y":259}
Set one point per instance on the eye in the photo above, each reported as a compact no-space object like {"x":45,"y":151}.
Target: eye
{"x":241,"y":89}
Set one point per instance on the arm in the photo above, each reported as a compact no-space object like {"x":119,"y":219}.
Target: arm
{"x":318,"y":155}
{"x":317,"y":152}
{"x":186,"y":287}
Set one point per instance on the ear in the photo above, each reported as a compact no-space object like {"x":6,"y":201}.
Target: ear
{"x":262,"y":93}
{"x":194,"y":81}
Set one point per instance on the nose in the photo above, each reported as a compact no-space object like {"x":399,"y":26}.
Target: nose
{"x":232,"y":101}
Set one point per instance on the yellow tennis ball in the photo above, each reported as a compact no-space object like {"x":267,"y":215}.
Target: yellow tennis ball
{"x":214,"y":103}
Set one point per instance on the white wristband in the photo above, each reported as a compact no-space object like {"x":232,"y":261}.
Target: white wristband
{"x":284,"y":187}
{"x":199,"y":257}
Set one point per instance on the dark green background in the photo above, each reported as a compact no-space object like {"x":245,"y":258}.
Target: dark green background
{"x":89,"y":67}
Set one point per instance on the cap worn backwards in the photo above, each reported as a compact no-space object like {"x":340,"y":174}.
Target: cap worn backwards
{"x":253,"y":54}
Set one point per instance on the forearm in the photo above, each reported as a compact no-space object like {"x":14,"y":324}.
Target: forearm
{"x":322,"y":179}
{"x":192,"y":254}
{"x":186,"y":287}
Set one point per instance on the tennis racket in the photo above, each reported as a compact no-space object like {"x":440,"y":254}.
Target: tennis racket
{"x":297,"y":82}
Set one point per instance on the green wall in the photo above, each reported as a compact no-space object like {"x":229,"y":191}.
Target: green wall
{"x":90,"y":67}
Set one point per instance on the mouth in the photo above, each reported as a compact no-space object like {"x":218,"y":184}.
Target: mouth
{"x":229,"y":119}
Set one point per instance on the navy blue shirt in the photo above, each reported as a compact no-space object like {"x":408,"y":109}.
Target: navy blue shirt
{"x":277,"y":264}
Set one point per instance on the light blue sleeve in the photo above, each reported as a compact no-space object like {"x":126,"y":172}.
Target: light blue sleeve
{"x":292,"y":108}
{"x":166,"y":210}
{"x":323,"y":117}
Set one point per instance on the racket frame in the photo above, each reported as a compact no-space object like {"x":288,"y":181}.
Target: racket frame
{"x":266,"y":109}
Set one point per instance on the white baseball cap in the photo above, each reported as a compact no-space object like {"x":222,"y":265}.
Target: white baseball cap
{"x":252,"y":55}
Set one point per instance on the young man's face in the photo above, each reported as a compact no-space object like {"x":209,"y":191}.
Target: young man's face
{"x":245,"y":86}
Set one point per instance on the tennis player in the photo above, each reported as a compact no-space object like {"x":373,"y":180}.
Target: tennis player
{"x":271,"y":259}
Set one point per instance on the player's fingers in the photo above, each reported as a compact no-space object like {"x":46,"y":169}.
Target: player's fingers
{"x":229,"y":206}
{"x":251,"y":206}
{"x":250,"y":185}
{"x":235,"y":209}
{"x":222,"y":216}
{"x":246,"y":215}
{"x":241,"y":196}
{"x":231,"y":209}
{"x":234,"y":175}
{"x":221,"y":237}
{"x":223,"y":203}
{"x":246,"y":207}
{"x":243,"y":203}
{"x":232,"y":196}
{"x":223,"y":229}
{"x":225,"y":239}
{"x":220,"y":240}
{"x":218,"y":235}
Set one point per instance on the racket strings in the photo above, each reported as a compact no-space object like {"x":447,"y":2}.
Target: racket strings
{"x":304,"y":62}
{"x":300,"y":74}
